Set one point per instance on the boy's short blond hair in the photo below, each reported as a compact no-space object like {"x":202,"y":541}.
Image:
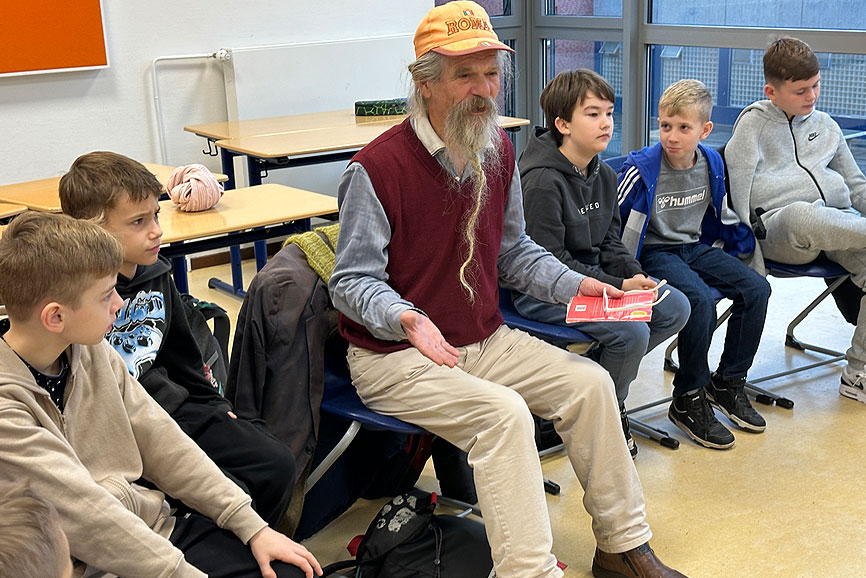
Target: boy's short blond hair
{"x":97,"y":180}
{"x":45,"y":256}
{"x":569,"y":89}
{"x":789,"y":59}
{"x":687,"y":96}
{"x":30,"y":536}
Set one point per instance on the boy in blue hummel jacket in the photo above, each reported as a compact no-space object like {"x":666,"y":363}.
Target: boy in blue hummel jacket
{"x":676,"y":221}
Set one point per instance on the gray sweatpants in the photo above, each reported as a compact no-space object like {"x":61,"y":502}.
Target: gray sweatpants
{"x":797,"y":233}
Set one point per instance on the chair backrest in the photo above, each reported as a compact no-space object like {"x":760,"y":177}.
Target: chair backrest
{"x":616,"y":162}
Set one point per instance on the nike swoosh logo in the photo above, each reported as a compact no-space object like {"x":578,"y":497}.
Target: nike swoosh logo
{"x":813,"y":136}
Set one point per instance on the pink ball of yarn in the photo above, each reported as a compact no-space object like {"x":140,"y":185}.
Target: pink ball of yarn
{"x":194,"y":188}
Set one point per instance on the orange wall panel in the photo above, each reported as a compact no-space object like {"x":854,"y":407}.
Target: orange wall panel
{"x":42,"y":35}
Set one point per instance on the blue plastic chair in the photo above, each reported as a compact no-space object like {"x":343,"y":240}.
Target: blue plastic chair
{"x":560,"y":335}
{"x":820,"y":267}
{"x":340,"y":398}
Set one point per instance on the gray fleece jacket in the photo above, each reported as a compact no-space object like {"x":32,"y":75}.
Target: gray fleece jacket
{"x":774,"y":161}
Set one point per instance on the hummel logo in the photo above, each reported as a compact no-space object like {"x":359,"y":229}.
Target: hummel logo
{"x":813,"y":136}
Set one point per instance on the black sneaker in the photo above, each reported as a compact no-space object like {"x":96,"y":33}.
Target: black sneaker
{"x":693,"y":414}
{"x":731,"y":399}
{"x":629,"y":440}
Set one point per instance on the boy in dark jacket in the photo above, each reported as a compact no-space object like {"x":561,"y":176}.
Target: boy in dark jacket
{"x":674,"y":206}
{"x":153,"y":336}
{"x":569,"y":199}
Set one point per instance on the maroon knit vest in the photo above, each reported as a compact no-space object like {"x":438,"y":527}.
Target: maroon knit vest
{"x":426,"y":212}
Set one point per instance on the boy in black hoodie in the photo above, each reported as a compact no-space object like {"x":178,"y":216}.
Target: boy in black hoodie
{"x":570,"y":204}
{"x":153,"y":336}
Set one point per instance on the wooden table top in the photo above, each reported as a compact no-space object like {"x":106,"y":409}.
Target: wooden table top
{"x":324,"y":139}
{"x":282,"y":124}
{"x":241,"y":209}
{"x":43,"y":195}
{"x":10,"y":210}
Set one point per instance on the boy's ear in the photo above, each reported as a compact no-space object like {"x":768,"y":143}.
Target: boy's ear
{"x":562,"y":126}
{"x":708,"y":128}
{"x":53,"y":317}
{"x":770,"y":91}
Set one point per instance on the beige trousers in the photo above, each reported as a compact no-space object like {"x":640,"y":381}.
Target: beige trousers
{"x":483,"y":407}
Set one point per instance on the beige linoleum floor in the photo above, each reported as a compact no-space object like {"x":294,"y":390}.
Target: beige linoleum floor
{"x":788,"y":502}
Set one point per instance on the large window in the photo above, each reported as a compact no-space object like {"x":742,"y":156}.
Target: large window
{"x":735,"y":77}
{"x":837,"y":14}
{"x":492,"y":7}
{"x":602,"y":57}
{"x":584,"y":7}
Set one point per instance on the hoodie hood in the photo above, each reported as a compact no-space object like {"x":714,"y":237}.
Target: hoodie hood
{"x":144,"y":275}
{"x":772,"y":113}
{"x":542,"y":152}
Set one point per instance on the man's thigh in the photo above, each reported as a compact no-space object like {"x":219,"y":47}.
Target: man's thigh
{"x":547,"y":377}
{"x":507,"y":372}
{"x":450,"y":402}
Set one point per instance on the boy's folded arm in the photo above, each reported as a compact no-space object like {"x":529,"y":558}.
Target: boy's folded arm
{"x":101,"y":531}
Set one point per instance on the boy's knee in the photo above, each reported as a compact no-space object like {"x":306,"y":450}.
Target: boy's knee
{"x":757,"y":289}
{"x":629,"y":339}
{"x":702,"y":305}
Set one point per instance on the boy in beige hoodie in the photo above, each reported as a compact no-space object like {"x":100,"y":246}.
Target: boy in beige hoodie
{"x":87,"y":436}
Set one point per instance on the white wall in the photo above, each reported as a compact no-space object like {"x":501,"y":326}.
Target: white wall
{"x":47,"y":120}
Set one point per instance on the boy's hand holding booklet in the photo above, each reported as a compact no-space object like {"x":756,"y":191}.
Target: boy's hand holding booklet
{"x":632,"y":306}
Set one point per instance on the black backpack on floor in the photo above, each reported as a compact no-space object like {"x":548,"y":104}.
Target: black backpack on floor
{"x":407,"y":540}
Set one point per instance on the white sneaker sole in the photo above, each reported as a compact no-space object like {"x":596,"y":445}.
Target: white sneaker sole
{"x":852,"y":392}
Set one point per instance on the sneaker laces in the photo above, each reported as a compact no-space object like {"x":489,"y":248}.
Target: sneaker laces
{"x":741,"y":400}
{"x":859,"y":380}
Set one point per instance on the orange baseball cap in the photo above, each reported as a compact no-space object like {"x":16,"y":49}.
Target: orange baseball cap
{"x":456,"y":28}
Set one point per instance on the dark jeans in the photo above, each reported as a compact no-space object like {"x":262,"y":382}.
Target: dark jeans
{"x":693,"y":269}
{"x":219,"y":553}
{"x":246,"y":452}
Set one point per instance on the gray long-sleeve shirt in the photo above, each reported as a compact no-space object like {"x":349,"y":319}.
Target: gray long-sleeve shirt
{"x":359,"y":285}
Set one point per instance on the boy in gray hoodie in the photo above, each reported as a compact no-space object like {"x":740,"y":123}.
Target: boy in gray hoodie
{"x":791,"y":169}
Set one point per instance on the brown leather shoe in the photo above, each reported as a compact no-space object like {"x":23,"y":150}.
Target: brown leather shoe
{"x":641,"y":562}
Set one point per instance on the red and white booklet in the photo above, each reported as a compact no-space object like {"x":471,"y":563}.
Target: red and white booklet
{"x":632,"y":306}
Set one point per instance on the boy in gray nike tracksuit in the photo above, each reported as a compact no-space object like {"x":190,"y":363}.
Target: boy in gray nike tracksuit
{"x":791,"y":169}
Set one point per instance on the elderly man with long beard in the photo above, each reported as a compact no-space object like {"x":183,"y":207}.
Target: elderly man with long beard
{"x":431,"y":222}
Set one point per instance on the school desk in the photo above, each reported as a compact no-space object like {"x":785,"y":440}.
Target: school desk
{"x":298,"y":140}
{"x":249,"y":214}
{"x":42,"y":194}
{"x":8,"y":210}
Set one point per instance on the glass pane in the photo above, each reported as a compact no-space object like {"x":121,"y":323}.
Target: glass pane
{"x":604,"y":58}
{"x":584,"y":8}
{"x":735,"y":78}
{"x":842,"y":14}
{"x":492,"y":7}
{"x":505,"y":98}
